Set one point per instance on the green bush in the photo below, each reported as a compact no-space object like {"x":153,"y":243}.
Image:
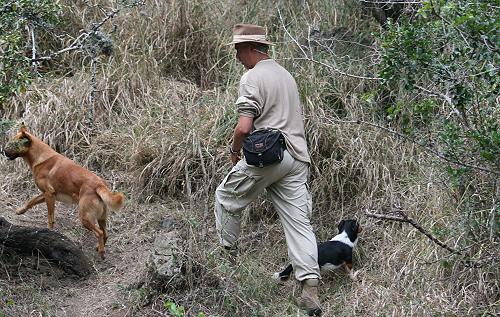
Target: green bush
{"x":15,"y":44}
{"x":444,"y":59}
{"x":443,"y":65}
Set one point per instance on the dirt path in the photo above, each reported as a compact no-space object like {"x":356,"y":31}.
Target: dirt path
{"x":32,"y":287}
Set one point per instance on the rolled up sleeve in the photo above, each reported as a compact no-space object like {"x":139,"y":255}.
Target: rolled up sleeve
{"x":248,"y":103}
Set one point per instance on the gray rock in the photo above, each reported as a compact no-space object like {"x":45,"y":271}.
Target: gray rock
{"x":166,"y":259}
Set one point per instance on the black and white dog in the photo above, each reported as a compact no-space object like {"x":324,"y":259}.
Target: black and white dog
{"x":334,"y":253}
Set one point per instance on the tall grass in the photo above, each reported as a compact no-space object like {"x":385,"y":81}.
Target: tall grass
{"x":163,"y":115}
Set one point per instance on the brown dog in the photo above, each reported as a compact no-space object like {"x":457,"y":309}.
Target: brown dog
{"x":61,"y":179}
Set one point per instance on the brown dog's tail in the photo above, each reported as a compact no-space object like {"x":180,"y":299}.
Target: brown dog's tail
{"x":112,"y":200}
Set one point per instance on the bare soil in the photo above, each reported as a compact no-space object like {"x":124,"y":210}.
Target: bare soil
{"x":31,"y":286}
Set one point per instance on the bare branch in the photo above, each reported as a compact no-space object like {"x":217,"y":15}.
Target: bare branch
{"x":310,"y":59}
{"x":78,"y":42}
{"x":339,"y":71}
{"x":423,"y":146}
{"x":33,"y":44}
{"x":436,"y":94}
{"x":384,"y":217}
{"x":288,"y":33}
{"x":391,"y":1}
{"x":6,"y":7}
{"x":405,"y":218}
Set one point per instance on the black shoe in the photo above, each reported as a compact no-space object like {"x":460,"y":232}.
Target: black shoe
{"x":314,"y":312}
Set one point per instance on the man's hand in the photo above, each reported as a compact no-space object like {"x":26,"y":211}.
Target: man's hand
{"x":235,"y":157}
{"x":241,"y":130}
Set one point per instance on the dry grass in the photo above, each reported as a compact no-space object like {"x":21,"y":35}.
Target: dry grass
{"x":159,"y":125}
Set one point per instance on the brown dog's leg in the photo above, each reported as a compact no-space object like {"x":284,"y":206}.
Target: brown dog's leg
{"x":102,"y":226}
{"x":98,"y":233}
{"x":88,"y":210}
{"x":50,"y":199}
{"x":30,"y":203}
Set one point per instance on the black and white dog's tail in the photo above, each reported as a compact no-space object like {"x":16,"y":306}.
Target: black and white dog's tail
{"x":281,"y":277}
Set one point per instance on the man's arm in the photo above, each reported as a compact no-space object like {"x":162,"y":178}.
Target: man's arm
{"x":242,"y":129}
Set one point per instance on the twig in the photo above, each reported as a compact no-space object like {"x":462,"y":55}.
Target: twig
{"x":288,"y":33}
{"x":385,"y":217}
{"x":436,"y":94}
{"x":391,"y":1}
{"x":310,"y":59}
{"x":31,"y":29}
{"x":339,"y":71}
{"x":93,"y":83}
{"x":74,"y":46}
{"x":77,"y":43}
{"x":405,"y":218}
{"x":428,"y":149}
{"x":6,"y":7}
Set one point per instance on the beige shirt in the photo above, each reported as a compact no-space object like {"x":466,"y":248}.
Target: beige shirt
{"x":269,"y":94}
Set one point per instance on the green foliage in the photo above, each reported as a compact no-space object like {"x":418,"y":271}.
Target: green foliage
{"x":173,"y":309}
{"x":446,"y":59}
{"x":443,"y":65}
{"x":5,"y":125}
{"x":15,"y":66}
{"x":15,"y":63}
{"x":9,"y":302}
{"x":178,"y":311}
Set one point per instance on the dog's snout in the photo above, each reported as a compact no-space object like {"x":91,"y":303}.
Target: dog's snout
{"x":9,"y":155}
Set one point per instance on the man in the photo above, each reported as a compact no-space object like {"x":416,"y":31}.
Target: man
{"x":269,"y":98}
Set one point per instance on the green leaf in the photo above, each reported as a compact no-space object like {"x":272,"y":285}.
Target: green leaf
{"x":488,"y":156}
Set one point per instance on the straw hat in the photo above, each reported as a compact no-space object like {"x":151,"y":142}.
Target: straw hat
{"x":249,"y":33}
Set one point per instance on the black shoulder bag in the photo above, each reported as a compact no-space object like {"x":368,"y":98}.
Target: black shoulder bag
{"x":264,"y":147}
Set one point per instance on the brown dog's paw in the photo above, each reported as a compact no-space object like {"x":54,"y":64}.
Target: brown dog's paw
{"x":101,"y":253}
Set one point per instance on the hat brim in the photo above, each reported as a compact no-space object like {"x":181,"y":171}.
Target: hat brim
{"x":250,"y":41}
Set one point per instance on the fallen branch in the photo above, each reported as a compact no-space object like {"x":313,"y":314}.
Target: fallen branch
{"x":384,"y":217}
{"x":53,"y":245}
{"x":405,"y":218}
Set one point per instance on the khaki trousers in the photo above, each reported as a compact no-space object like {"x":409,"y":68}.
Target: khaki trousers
{"x":286,"y":183}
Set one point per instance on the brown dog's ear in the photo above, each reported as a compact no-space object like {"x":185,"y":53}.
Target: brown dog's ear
{"x":23,"y":128}
{"x":24,"y":134}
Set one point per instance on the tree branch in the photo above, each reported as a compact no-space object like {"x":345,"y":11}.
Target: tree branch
{"x":310,"y":59}
{"x":436,"y":94}
{"x":426,"y":148}
{"x":6,"y":7}
{"x":405,"y":218}
{"x":78,"y":42}
{"x":391,"y":1}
